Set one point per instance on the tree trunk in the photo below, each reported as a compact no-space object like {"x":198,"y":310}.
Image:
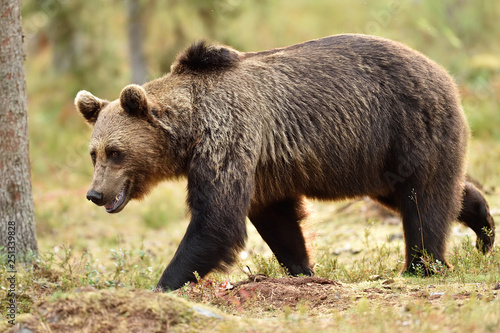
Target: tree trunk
{"x":135,"y":37}
{"x":17,"y":221}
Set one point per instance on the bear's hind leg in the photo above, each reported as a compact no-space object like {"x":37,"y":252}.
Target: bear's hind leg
{"x":475,"y":214}
{"x":427,"y":220}
{"x":279,"y":225}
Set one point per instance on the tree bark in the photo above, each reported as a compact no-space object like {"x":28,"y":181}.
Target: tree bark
{"x":17,"y":221}
{"x":135,"y":36}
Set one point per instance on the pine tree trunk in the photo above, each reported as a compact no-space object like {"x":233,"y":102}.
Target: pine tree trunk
{"x":135,"y":37}
{"x":17,"y":221}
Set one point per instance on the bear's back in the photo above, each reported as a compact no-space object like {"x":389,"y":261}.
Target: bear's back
{"x":339,"y":108}
{"x":346,"y":109}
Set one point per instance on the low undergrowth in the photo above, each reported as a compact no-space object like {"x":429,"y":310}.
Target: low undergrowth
{"x":55,"y":294}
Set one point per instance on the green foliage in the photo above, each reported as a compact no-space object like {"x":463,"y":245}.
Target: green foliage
{"x":383,"y":261}
{"x":470,"y":265}
{"x":268,"y":266}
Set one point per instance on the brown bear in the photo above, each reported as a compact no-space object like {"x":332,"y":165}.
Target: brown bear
{"x":255,"y":133}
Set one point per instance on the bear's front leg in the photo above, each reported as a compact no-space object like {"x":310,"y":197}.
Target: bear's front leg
{"x":218,"y":200}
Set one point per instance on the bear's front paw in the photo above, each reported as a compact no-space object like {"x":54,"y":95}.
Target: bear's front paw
{"x":485,"y":240}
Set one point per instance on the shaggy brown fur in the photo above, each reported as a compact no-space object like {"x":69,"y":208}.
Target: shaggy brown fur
{"x":475,"y":214}
{"x":256,"y":133}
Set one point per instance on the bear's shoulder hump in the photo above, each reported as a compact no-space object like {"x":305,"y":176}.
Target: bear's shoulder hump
{"x":204,"y":57}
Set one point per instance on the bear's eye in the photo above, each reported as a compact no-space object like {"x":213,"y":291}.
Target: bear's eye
{"x":93,"y":157}
{"x":115,"y":156}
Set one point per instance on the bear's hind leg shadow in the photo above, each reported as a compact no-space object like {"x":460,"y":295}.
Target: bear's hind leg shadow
{"x":475,"y":214}
{"x":279,"y":225}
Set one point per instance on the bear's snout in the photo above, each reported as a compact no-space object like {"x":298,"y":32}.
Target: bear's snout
{"x":95,"y":197}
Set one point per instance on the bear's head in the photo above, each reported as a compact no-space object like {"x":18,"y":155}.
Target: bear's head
{"x":127,"y":147}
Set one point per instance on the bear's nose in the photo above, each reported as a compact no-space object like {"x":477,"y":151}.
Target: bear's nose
{"x":95,"y":197}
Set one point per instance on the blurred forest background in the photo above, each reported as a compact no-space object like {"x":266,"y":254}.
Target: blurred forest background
{"x":101,"y":46}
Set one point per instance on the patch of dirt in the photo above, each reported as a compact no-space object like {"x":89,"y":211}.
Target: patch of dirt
{"x":290,"y":292}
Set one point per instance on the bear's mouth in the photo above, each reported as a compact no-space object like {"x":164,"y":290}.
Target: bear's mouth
{"x":119,"y":201}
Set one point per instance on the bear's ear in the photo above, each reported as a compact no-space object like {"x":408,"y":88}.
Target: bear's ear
{"x":134,"y":101}
{"x":89,"y":105}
